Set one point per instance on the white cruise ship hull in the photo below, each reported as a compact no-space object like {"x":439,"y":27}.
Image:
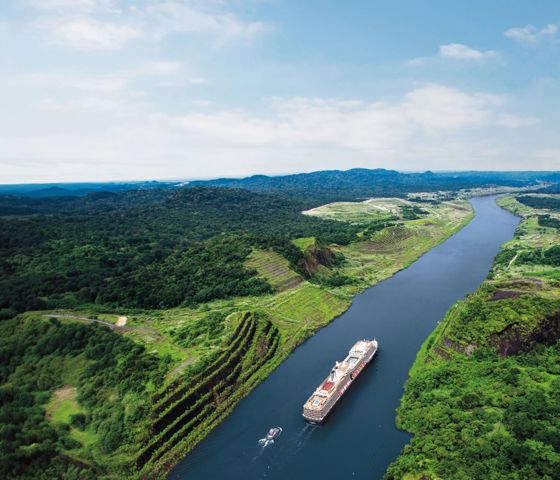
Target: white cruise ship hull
{"x":326,"y":396}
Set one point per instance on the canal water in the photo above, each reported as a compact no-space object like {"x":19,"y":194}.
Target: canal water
{"x":359,"y":439}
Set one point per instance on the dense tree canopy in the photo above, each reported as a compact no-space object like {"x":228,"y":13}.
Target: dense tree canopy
{"x":33,"y":356}
{"x":549,"y":203}
{"x":156,"y":248}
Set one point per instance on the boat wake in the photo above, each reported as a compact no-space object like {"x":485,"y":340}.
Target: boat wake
{"x":303,"y":436}
{"x":263,"y":442}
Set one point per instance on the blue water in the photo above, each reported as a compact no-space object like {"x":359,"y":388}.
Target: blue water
{"x":359,"y":439}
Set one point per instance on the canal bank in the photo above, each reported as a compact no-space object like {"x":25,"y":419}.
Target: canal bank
{"x":359,"y":439}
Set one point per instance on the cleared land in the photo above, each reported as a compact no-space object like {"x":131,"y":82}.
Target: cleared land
{"x":360,"y":212}
{"x":63,"y":405}
{"x":60,"y":409}
{"x":393,"y":248}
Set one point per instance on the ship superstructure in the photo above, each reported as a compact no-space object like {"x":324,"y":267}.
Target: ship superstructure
{"x":342,"y":375}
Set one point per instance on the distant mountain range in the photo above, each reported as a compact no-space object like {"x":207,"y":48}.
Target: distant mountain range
{"x":310,"y":188}
{"x":331,"y":185}
{"x":45,"y":190}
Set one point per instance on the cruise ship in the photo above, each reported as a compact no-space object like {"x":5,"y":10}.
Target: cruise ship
{"x":342,"y":375}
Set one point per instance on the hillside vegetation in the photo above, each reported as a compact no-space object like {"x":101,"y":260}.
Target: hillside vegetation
{"x":113,"y":377}
{"x":483,"y":398}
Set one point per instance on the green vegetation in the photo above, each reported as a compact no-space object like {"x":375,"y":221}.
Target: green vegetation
{"x":303,"y":243}
{"x":389,"y":244}
{"x":541,"y":202}
{"x":215,"y":286}
{"x":483,"y":397}
{"x":548,"y":221}
{"x":274,"y":268}
{"x":206,"y":331}
{"x":188,"y":408}
{"x":63,"y":405}
{"x":113,"y":376}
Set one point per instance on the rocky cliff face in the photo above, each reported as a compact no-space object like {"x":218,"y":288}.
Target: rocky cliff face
{"x":316,"y":256}
{"x":512,"y":340}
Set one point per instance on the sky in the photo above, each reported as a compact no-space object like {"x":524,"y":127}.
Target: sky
{"x":99,"y":90}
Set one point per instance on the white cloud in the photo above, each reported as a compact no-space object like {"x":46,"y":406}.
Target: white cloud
{"x":84,"y":33}
{"x":516,"y":121}
{"x":548,"y":156}
{"x":178,"y":17}
{"x":157,"y":68}
{"x":60,"y":5}
{"x":184,"y":81}
{"x":428,"y":111}
{"x":434,"y":126}
{"x":531,"y":34}
{"x":417,"y":62}
{"x":109,"y":25}
{"x":458,"y":51}
{"x":198,"y":81}
{"x":101,"y":84}
{"x":454,"y":51}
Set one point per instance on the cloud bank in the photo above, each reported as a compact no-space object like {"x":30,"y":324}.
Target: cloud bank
{"x":124,"y":138}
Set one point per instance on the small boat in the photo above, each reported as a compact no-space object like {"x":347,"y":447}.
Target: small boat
{"x":271,"y":435}
{"x":274,"y":433}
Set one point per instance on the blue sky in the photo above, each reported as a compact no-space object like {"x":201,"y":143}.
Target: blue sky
{"x":169,"y":89}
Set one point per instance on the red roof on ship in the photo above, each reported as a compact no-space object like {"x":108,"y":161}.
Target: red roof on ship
{"x":327,"y":385}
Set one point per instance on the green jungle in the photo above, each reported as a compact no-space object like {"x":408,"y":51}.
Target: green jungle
{"x":132,"y":322}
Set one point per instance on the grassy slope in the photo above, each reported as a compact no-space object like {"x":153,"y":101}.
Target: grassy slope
{"x":394,"y":248}
{"x":298,"y":308}
{"x":469,"y":394}
{"x":62,"y":405}
{"x":274,"y":268}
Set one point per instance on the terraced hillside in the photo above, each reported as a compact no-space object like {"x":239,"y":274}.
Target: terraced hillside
{"x":274,"y":268}
{"x":187,"y":409}
{"x":301,"y":311}
{"x":483,"y":398}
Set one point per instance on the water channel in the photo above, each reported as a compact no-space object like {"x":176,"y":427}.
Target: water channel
{"x":359,"y":439}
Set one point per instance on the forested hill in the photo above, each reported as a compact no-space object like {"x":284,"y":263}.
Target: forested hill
{"x":336,"y":185}
{"x":312,"y":188}
{"x":149,"y":249}
{"x":174,"y":215}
